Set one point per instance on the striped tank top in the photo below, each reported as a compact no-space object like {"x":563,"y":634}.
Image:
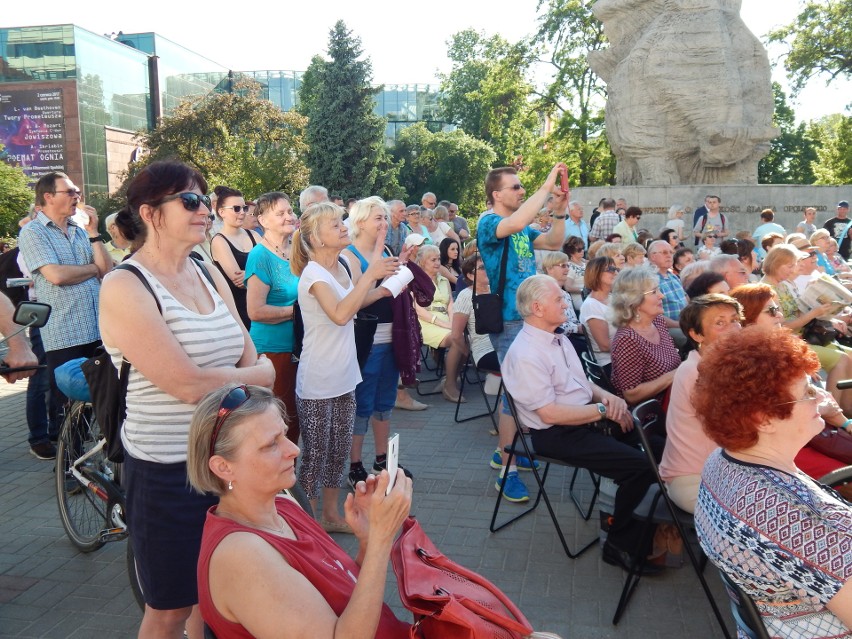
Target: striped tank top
{"x":157,"y":425}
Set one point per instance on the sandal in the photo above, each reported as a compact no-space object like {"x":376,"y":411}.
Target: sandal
{"x":336,"y":527}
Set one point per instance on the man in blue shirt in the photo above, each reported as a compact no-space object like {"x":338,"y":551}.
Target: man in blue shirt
{"x":575,"y":225}
{"x":67,"y":263}
{"x":509,"y":219}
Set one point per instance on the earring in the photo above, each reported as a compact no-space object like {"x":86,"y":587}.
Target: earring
{"x":230,"y":485}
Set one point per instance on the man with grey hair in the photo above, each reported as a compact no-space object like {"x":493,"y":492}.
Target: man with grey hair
{"x":397,"y":230}
{"x":730,"y":267}
{"x":429,"y":200}
{"x":575,"y":225}
{"x":571,"y":419}
{"x":118,"y":247}
{"x":311,"y":195}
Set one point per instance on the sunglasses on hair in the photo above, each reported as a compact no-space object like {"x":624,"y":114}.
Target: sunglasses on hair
{"x":191,"y":201}
{"x":230,"y":402}
{"x":773,"y":310}
{"x":238,"y":208}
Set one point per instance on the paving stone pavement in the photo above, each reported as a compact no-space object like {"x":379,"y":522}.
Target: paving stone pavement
{"x":49,"y":589}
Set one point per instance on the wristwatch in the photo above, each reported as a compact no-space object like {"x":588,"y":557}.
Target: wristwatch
{"x":559,"y":217}
{"x":95,"y":239}
{"x":601,"y":409}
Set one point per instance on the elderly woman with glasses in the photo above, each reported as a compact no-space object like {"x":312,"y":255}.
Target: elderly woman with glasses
{"x":555,"y":264}
{"x":595,"y":312}
{"x":644,"y":357}
{"x":232,"y":244}
{"x":703,"y":321}
{"x":782,"y":537}
{"x":183,"y":338}
{"x":266,"y":568}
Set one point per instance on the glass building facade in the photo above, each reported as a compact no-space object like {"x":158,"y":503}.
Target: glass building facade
{"x":115,"y":86}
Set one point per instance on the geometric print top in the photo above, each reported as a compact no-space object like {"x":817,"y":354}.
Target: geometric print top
{"x":784,"y":539}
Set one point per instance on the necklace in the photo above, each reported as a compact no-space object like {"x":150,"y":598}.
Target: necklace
{"x":283,"y":250}
{"x":282,"y":531}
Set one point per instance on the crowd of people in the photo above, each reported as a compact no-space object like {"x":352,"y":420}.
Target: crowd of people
{"x":272,"y":342}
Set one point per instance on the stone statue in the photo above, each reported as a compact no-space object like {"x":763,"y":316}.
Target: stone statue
{"x":689,"y":91}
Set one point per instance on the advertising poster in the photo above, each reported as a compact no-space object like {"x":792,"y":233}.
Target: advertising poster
{"x":32,"y":130}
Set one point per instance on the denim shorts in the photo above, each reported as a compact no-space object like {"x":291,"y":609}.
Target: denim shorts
{"x":375,"y":396}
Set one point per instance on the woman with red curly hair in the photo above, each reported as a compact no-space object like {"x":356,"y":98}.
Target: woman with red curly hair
{"x":783,"y":538}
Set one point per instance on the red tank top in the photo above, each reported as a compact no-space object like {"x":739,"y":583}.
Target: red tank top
{"x":313,"y":553}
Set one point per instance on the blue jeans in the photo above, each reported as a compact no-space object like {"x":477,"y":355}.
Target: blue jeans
{"x":43,"y":410}
{"x":501,"y":343}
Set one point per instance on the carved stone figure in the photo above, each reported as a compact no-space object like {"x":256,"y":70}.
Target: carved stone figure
{"x":689,"y":91}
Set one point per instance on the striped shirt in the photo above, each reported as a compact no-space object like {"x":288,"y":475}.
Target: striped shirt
{"x":74,"y":318}
{"x":157,"y":424}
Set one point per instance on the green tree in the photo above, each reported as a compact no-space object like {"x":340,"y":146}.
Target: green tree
{"x":819,"y":41}
{"x":15,"y":196}
{"x":345,"y":137}
{"x":452,"y":164}
{"x":792,"y":152}
{"x":239,"y":139}
{"x":834,"y":162}
{"x":574,"y":98}
{"x":487,"y":92}
{"x":310,"y":85}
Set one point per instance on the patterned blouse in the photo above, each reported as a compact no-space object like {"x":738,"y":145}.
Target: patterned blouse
{"x":784,"y":539}
{"x":635,"y":360}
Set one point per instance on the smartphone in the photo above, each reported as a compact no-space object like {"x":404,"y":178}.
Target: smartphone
{"x":393,"y":460}
{"x":563,"y":175}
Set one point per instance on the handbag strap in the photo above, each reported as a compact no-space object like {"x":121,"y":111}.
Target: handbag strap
{"x":501,"y":281}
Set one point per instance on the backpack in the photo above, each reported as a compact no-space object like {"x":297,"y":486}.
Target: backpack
{"x":108,"y":386}
{"x":9,"y":269}
{"x":704,"y":222}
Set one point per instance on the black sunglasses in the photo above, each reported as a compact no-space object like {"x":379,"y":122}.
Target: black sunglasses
{"x":238,"y":208}
{"x":230,"y":402}
{"x":611,"y":269}
{"x":191,"y":201}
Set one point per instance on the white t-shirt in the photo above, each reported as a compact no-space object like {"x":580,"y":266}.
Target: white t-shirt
{"x":595,"y":309}
{"x":480,"y":345}
{"x":675,"y":224}
{"x":440,"y":233}
{"x":328,"y":366}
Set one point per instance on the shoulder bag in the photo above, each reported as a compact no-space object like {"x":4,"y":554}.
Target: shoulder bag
{"x":488,"y":307}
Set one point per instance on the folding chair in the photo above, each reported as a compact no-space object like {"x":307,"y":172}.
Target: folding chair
{"x":648,"y":417}
{"x":476,"y":381}
{"x":438,"y":368}
{"x":596,"y":373}
{"x":745,"y":612}
{"x":520,"y":446}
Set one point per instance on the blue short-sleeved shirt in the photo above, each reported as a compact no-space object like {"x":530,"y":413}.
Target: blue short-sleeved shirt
{"x":74,"y":318}
{"x":519,"y":266}
{"x":283,"y":286}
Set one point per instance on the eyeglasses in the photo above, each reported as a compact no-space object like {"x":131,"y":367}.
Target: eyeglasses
{"x":612,"y":269}
{"x":230,"y":402}
{"x":653,"y":291}
{"x":811,"y":394}
{"x":70,"y":192}
{"x":774,"y":311}
{"x":191,"y":201}
{"x":211,"y":217}
{"x":514,"y":187}
{"x":238,"y":208}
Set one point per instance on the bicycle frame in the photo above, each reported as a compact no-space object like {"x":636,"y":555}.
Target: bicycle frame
{"x":105,"y":489}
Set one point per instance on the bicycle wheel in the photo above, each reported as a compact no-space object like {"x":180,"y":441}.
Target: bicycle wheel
{"x":135,"y":584}
{"x":82,"y":511}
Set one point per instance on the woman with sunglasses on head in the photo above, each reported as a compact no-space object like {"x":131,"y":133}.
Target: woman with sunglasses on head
{"x":644,"y":357}
{"x":183,"y":338}
{"x":271,"y":292}
{"x":232,"y":244}
{"x":328,"y":370}
{"x":266,"y":568}
{"x":779,"y":535}
{"x":594,"y":312}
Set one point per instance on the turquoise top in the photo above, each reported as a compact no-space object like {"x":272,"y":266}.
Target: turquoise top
{"x":274,"y":271}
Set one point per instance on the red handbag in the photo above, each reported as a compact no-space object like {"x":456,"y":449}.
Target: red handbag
{"x":448,"y":600}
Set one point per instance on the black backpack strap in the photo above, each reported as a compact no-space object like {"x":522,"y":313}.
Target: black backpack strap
{"x":124,"y":266}
{"x":204,"y":270}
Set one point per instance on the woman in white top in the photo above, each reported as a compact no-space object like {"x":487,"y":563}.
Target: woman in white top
{"x":594,"y":313}
{"x":675,"y":221}
{"x":328,"y":368}
{"x":182,"y":341}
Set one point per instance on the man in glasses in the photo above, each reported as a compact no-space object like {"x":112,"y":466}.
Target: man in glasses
{"x":661,"y":257}
{"x":507,"y":226}
{"x":67,"y":264}
{"x":606,"y":222}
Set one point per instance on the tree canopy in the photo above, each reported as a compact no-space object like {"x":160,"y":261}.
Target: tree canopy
{"x":452,"y":164}
{"x":834,"y":162}
{"x":238,"y":139}
{"x":346,"y":151}
{"x":819,"y":41}
{"x":793,"y":152}
{"x":15,"y":196}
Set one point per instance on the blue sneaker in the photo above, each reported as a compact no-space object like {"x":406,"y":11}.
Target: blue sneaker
{"x":522,"y":462}
{"x":514,"y":491}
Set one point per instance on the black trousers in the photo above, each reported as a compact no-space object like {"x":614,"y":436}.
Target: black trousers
{"x":614,"y":456}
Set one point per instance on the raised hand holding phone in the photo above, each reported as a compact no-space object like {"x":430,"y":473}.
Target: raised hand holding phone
{"x":393,"y":460}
